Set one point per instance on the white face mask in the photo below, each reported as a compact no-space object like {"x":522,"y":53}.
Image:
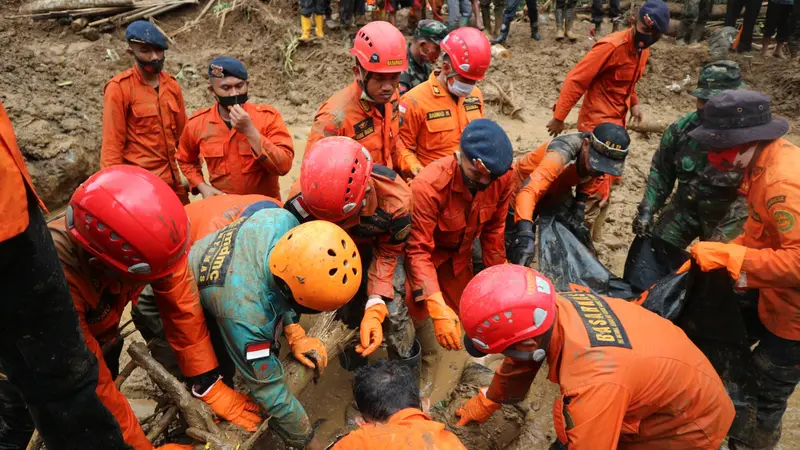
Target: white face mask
{"x":460,"y":89}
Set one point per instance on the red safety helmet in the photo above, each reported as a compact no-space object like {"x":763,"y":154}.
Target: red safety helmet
{"x":130,"y":220}
{"x":469,"y":51}
{"x":334,"y":178}
{"x":506,"y":304}
{"x":380,"y":47}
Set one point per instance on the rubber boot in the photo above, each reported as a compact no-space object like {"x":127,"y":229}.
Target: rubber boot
{"x":350,"y":360}
{"x":413,"y":362}
{"x":305,"y":24}
{"x":569,"y":18}
{"x":559,"y":24}
{"x":504,"y":29}
{"x":697,"y":32}
{"x":498,"y":24}
{"x":319,"y":25}
{"x":486,"y":14}
{"x":535,"y":32}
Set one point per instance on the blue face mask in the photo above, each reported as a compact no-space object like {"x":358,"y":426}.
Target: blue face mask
{"x":460,"y":89}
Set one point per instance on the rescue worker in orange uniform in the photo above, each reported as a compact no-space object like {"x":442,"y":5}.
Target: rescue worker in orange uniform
{"x":214,"y":213}
{"x":606,"y":79}
{"x":124,"y":228}
{"x":458,"y":199}
{"x":629,"y":378}
{"x":367,"y":110}
{"x":246,"y":146}
{"x":339,"y":183}
{"x":553,"y":169}
{"x":741,"y":133}
{"x":436,"y":112}
{"x":143,"y":111}
{"x":388,"y":399}
{"x":47,"y":366}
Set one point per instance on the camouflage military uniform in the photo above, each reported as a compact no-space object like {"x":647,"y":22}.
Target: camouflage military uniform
{"x":695,"y":15}
{"x":706,"y":203}
{"x":432,"y":31}
{"x":416,"y":73}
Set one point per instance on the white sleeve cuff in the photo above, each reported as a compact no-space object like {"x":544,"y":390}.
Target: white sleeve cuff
{"x":373,"y":300}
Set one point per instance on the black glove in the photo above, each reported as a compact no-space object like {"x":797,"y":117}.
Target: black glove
{"x":576,"y":221}
{"x":523,"y":247}
{"x":643,"y":222}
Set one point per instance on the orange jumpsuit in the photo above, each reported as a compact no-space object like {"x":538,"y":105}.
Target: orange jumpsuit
{"x":407,"y":429}
{"x":14,"y":180}
{"x":347,"y":114}
{"x":99,"y":302}
{"x":142,"y":126}
{"x":433,"y":121}
{"x":629,"y":379}
{"x":214,"y":213}
{"x":384,"y":221}
{"x":233,"y":166}
{"x":552,"y":171}
{"x":772,"y":237}
{"x":446,"y":220}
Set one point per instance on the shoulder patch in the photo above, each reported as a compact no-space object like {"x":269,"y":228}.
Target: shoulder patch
{"x":383,"y":171}
{"x":472,"y":100}
{"x":602,"y":325}
{"x":775,"y":200}
{"x":436,"y":90}
{"x":441,"y":114}
{"x":784,"y":221}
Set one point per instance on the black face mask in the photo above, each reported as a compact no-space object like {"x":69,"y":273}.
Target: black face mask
{"x":644,"y":41}
{"x":231,"y":100}
{"x":155,"y":66}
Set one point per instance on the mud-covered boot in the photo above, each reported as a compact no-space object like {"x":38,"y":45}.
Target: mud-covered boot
{"x":305,"y":24}
{"x":504,"y":29}
{"x":486,"y":14}
{"x":535,"y":32}
{"x":559,"y":24}
{"x":413,"y":362}
{"x":569,"y":18}
{"x":697,"y":32}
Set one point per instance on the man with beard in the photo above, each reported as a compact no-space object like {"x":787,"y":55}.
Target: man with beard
{"x":143,"y":111}
{"x":246,"y":146}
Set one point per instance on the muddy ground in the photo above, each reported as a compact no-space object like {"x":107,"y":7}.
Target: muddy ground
{"x":51,"y":83}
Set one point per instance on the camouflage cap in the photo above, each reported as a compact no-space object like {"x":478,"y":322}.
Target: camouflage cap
{"x":718,"y":76}
{"x":431,"y":29}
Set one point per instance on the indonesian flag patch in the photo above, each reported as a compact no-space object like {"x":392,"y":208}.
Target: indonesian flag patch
{"x":257,"y":351}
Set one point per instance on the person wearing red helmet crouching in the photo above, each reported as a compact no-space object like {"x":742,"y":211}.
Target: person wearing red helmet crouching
{"x":339,"y":183}
{"x":435,"y":112}
{"x":629,"y":379}
{"x":125,"y":228}
{"x":367,"y":110}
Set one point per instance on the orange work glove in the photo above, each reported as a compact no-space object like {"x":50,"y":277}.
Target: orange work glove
{"x":232,"y":406}
{"x":305,"y":348}
{"x":477,"y":409}
{"x":176,"y":447}
{"x":717,"y":255}
{"x":445,"y":322}
{"x":371,"y":329}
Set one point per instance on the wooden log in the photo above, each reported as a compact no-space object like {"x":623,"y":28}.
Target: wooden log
{"x":499,"y":431}
{"x":163,"y":423}
{"x":46,"y":6}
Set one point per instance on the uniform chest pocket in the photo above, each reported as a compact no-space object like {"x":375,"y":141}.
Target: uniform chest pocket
{"x":249,"y":161}
{"x":623,"y":74}
{"x":486,"y":213}
{"x":146,"y":118}
{"x":452,"y":223}
{"x":440,"y":125}
{"x":212,"y":149}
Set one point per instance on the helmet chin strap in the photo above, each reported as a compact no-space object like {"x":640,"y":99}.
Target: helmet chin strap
{"x":537,"y":355}
{"x":363,"y":83}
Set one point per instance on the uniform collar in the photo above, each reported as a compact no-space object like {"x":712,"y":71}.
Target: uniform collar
{"x":137,"y":72}
{"x":367,"y":107}
{"x":436,"y":87}
{"x":408,"y":414}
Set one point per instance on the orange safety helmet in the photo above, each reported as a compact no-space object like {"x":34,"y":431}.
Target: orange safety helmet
{"x":381,"y":48}
{"x":320,"y":263}
{"x":470,"y":52}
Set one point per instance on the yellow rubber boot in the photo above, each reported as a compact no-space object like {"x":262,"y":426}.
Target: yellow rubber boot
{"x":305,"y":23}
{"x":319,"y":25}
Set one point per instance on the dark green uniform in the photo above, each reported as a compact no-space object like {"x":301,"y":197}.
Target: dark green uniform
{"x":704,"y":194}
{"x":416,"y":73}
